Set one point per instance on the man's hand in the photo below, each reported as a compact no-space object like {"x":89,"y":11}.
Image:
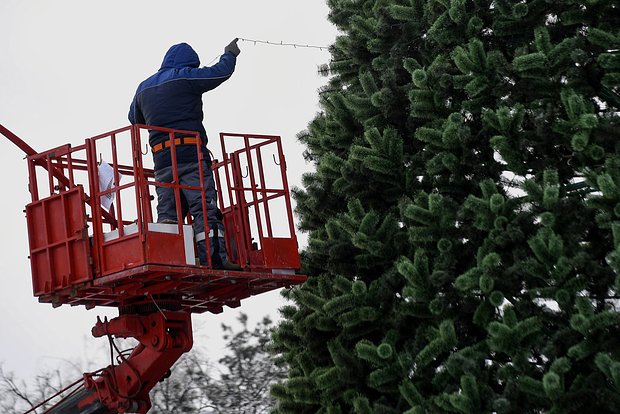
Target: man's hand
{"x":232,"y":47}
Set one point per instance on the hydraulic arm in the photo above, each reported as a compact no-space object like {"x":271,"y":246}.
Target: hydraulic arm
{"x":163,"y":337}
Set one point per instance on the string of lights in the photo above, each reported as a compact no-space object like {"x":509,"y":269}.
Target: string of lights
{"x":267,"y":42}
{"x":295,"y":45}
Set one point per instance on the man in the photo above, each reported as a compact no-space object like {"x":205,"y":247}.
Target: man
{"x":172,"y":98}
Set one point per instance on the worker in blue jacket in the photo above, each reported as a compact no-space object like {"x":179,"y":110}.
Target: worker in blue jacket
{"x":172,"y":98}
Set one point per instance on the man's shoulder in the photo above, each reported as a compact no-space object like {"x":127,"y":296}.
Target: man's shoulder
{"x":160,"y":77}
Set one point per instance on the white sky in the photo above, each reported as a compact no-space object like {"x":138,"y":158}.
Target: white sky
{"x":68,"y":71}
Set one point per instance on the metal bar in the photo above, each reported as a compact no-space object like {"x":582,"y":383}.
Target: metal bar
{"x":145,"y":213}
{"x":261,"y":175}
{"x":136,"y":148}
{"x":259,"y":136}
{"x":70,"y":170}
{"x":203,"y":204}
{"x":50,"y":176}
{"x":233,"y":198}
{"x":81,"y":166}
{"x":55,"y":244}
{"x":269,"y":191}
{"x":268,"y":198}
{"x":241,"y":211}
{"x":118,"y":240}
{"x":54,"y":152}
{"x":223,"y":207}
{"x":117,"y":192}
{"x":175,"y":177}
{"x":218,"y":185}
{"x":93,"y":173}
{"x":60,"y":186}
{"x":122,"y":169}
{"x":21,"y":144}
{"x":91,"y":158}
{"x":107,"y":134}
{"x":287,"y":194}
{"x":254,"y":191}
{"x":50,"y":259}
{"x":145,"y":192}
{"x":264,"y":142}
{"x":32,"y":180}
{"x":115,"y":189}
{"x":67,"y":239}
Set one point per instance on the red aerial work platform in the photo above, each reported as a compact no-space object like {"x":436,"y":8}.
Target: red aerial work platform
{"x":94,"y":242}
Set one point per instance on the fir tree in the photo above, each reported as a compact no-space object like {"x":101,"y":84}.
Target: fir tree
{"x":464,"y":216}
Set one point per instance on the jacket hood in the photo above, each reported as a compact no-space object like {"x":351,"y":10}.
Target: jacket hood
{"x":180,"y":56}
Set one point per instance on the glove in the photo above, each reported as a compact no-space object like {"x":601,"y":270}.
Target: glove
{"x":233,"y":48}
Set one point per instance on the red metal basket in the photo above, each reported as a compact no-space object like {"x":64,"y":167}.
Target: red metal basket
{"x":83,"y":253}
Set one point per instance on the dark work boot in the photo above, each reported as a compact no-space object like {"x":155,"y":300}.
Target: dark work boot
{"x":217,"y":263}
{"x":231,"y":266}
{"x":218,"y":253}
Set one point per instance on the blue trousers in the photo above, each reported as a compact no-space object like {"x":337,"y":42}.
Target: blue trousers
{"x":191,"y":200}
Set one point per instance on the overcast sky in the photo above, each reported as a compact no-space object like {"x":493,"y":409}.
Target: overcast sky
{"x":68,"y":71}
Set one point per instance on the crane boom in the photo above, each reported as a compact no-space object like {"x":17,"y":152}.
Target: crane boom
{"x":21,"y":144}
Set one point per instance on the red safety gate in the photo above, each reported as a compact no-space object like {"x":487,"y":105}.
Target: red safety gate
{"x":94,"y":240}
{"x":249,"y":203}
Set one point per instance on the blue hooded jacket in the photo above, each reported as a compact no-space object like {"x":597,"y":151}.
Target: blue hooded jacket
{"x":172,"y":98}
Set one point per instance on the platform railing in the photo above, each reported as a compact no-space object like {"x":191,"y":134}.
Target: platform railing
{"x":251,"y":183}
